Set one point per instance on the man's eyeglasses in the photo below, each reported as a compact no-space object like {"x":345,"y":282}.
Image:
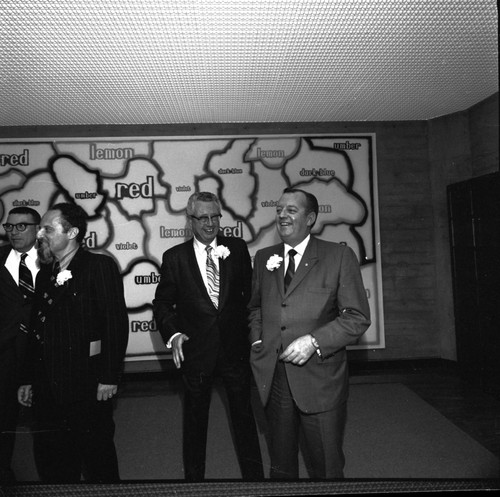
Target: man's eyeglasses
{"x":207,"y":219}
{"x":19,"y":226}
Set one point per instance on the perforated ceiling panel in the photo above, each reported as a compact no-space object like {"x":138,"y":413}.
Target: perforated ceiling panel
{"x":69,"y":62}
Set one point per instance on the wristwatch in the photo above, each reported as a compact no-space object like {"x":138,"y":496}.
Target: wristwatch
{"x":315,"y":345}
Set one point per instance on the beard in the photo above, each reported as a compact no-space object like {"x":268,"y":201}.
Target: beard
{"x":45,"y":256}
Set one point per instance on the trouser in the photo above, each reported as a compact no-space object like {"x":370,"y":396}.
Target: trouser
{"x":323,"y":434}
{"x":74,"y":440}
{"x":197,"y":396}
{"x":9,"y":409}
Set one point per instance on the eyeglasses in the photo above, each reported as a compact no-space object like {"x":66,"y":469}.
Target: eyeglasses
{"x":19,"y":226}
{"x":207,"y":219}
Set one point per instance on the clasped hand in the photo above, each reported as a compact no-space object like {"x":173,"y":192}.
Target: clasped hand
{"x":299,"y":351}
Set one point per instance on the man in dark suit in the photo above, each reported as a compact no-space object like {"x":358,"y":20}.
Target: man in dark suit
{"x":200,"y":310}
{"x":301,"y":320}
{"x":15,"y":304}
{"x":79,"y":337}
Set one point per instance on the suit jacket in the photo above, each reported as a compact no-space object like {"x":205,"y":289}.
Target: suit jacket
{"x":327,"y":298}
{"x":182,"y":304}
{"x":87,"y":308}
{"x":13,"y":309}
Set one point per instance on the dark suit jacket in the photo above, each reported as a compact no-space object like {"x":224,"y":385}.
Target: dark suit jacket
{"x":182,"y":304}
{"x":12,"y":307}
{"x":327,"y":298}
{"x":88,"y":307}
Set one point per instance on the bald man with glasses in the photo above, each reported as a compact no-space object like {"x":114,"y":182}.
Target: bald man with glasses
{"x":18,"y":270}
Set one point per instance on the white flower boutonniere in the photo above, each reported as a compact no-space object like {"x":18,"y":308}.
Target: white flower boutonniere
{"x":274,"y":262}
{"x":221,"y":252}
{"x":63,"y":276}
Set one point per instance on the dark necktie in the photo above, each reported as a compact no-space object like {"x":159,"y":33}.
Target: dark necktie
{"x":56,"y":269}
{"x":212,"y":278}
{"x":25,"y":285}
{"x":290,"y":271}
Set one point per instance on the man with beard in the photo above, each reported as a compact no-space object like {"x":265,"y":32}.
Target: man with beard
{"x":78,"y":340}
{"x":18,"y":270}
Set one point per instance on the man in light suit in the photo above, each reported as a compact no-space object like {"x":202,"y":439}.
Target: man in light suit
{"x":299,"y":335}
{"x":77,"y":344}
{"x":200,"y":310}
{"x":15,"y":305}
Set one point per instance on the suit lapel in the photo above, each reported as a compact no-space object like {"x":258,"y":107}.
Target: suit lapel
{"x":223,"y":276}
{"x":5,"y":275}
{"x":48,"y":295}
{"x":223,"y":270}
{"x":280,"y":275}
{"x":7,"y":278}
{"x":275,"y":276}
{"x":4,"y":272}
{"x":55,"y":292}
{"x":4,"y":253}
{"x":308,"y":261}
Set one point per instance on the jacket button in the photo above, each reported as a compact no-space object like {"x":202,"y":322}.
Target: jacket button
{"x":283,"y":328}
{"x":283,"y":304}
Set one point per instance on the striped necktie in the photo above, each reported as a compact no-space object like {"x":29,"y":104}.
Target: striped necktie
{"x":25,"y":279}
{"x":212,"y":278}
{"x":290,"y":271}
{"x":25,"y":285}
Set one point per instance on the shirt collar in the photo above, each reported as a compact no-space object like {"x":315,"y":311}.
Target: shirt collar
{"x":300,"y":248}
{"x":67,"y":258}
{"x":201,"y":247}
{"x":32,"y":253}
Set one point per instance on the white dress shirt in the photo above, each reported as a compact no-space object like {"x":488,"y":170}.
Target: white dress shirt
{"x":14,"y":258}
{"x":300,"y":249}
{"x":200,"y":250}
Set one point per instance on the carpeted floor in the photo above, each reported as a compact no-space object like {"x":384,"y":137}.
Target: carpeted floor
{"x":391,"y":433}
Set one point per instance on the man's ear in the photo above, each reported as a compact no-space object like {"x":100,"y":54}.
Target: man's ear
{"x":311,"y":218}
{"x":73,"y":232}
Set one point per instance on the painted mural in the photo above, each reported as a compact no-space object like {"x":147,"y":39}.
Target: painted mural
{"x":135,"y":191}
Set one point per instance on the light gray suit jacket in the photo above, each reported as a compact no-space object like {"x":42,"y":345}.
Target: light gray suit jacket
{"x":326,"y":298}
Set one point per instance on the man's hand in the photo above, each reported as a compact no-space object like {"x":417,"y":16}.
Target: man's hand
{"x":25,"y":395}
{"x":105,"y":392}
{"x":177,"y":353}
{"x":299,"y":351}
